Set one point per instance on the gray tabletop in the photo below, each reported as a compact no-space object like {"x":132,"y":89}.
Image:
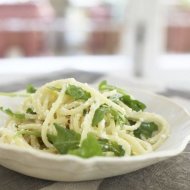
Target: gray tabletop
{"x":171,"y":174}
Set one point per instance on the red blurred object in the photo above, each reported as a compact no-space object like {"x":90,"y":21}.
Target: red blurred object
{"x":178,"y":31}
{"x":106,"y":35}
{"x":19,"y":26}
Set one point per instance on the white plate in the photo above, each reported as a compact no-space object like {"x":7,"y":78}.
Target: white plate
{"x":70,"y":168}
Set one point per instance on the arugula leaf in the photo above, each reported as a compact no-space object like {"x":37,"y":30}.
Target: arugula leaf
{"x":90,"y":147}
{"x":65,"y":139}
{"x":133,"y":104}
{"x":16,"y":115}
{"x":125,"y":98}
{"x":99,"y":114}
{"x":30,"y":111}
{"x":145,"y":130}
{"x":118,"y":117}
{"x":30,"y":89}
{"x":105,"y":86}
{"x":111,"y":146}
{"x":77,"y":93}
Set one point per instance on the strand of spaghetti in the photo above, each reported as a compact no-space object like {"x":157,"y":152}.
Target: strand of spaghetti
{"x":76,"y":123}
{"x":163,"y":129}
{"x":146,"y":116}
{"x":147,"y":146}
{"x":125,"y":145}
{"x":45,"y":103}
{"x":99,"y":96}
{"x":34,"y":126}
{"x":42,"y":100}
{"x":10,"y":124}
{"x":20,"y":141}
{"x":136,"y":146}
{"x":36,"y":101}
{"x":31,"y":116}
{"x":163,"y":125}
{"x":132,"y":127}
{"x":49,"y":117}
{"x":34,"y":142}
{"x":110,"y":129}
{"x":112,"y":134}
{"x":8,"y":136}
{"x":109,"y":93}
{"x":101,"y":129}
{"x":87,"y":123}
{"x":27,"y":103}
{"x":78,"y":109}
{"x":157,"y":136}
{"x":156,"y":140}
{"x":54,"y":106}
{"x":39,"y":106}
{"x":71,"y":126}
{"x":73,"y":105}
{"x":162,"y":136}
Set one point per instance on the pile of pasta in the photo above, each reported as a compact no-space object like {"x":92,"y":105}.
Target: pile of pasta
{"x":69,"y":117}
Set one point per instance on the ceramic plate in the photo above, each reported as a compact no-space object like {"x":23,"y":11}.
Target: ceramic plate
{"x":70,"y":168}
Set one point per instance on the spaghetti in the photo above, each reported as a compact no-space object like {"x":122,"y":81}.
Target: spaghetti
{"x":69,"y":117}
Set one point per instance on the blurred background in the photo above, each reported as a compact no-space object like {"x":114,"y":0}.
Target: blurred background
{"x":136,"y":40}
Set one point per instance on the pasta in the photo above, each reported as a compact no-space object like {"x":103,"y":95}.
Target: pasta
{"x":69,"y":117}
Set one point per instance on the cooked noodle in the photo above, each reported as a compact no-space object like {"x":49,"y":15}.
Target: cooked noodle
{"x":55,"y":106}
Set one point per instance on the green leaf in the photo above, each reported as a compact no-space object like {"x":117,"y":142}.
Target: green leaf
{"x":30,"y":111}
{"x":30,"y":89}
{"x":104,"y":86}
{"x":118,"y":117}
{"x":90,"y":147}
{"x":145,"y":130}
{"x":133,"y":104}
{"x":16,"y":115}
{"x":111,"y":146}
{"x":125,"y":98}
{"x":77,"y":93}
{"x":99,"y":114}
{"x":65,"y":139}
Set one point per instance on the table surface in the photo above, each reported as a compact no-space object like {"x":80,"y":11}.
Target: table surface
{"x":171,"y":174}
